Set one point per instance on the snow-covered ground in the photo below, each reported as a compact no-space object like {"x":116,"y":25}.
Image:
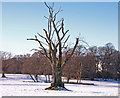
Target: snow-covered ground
{"x":22,"y":85}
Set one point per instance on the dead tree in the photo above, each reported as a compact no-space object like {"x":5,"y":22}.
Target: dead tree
{"x":55,"y":31}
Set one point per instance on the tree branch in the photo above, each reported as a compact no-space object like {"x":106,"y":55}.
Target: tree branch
{"x":50,"y":41}
{"x":57,"y":13}
{"x":67,"y":58}
{"x":65,"y":41}
{"x":46,"y":5}
{"x":39,"y":44}
{"x":58,"y":22}
{"x":61,"y":38}
{"x":43,"y":38}
{"x":62,"y":26}
{"x":46,"y":17}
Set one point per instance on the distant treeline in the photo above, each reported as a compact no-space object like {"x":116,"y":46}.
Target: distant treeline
{"x":92,"y":63}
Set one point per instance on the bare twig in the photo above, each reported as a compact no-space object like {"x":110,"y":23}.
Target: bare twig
{"x":66,"y":41}
{"x":46,"y":17}
{"x":57,"y":13}
{"x":58,"y":22}
{"x":85,"y":42}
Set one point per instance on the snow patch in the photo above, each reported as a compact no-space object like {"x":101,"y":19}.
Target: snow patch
{"x":15,"y":85}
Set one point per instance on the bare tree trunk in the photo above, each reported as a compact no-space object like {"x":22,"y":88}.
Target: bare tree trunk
{"x":3,"y":75}
{"x":77,"y":80}
{"x":57,"y":81}
{"x":77,"y":77}
{"x":68,"y":77}
{"x":48,"y":78}
{"x":36,"y":77}
{"x":32,"y":77}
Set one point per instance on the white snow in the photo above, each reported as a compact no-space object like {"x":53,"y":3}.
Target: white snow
{"x":22,"y":85}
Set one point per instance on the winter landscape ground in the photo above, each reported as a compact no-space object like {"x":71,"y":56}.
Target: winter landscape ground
{"x":22,"y":85}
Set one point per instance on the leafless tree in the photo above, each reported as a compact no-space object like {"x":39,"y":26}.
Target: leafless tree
{"x":32,"y":66}
{"x":4,"y":56}
{"x":109,"y":58}
{"x":55,"y":31}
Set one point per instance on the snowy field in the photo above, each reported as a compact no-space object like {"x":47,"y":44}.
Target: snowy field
{"x":22,"y":85}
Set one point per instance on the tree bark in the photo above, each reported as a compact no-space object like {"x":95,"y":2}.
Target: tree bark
{"x":57,"y":80}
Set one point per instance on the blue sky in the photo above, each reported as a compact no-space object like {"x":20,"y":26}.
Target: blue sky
{"x":97,"y":23}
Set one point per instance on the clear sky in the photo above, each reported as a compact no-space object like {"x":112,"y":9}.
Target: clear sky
{"x":97,"y":23}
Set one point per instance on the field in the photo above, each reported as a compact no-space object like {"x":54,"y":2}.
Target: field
{"x":22,"y":85}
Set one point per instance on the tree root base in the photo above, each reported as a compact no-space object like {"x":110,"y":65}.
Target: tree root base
{"x":3,"y":77}
{"x":58,"y":88}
